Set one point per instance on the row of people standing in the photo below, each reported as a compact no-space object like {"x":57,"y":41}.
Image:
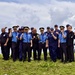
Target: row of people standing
{"x":21,"y":42}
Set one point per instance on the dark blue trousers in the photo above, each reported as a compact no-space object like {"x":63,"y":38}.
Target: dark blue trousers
{"x":52,"y":51}
{"x":20,"y":50}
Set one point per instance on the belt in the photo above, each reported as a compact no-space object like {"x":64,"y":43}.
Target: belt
{"x":42,"y":42}
{"x":26,"y":42}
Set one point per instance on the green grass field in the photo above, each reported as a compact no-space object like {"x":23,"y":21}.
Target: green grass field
{"x":36,"y":68}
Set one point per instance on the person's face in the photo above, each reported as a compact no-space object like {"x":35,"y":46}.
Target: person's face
{"x":67,"y":28}
{"x":22,"y":31}
{"x":34,"y":31}
{"x":62,"y":30}
{"x":48,"y":30}
{"x":10,"y":30}
{"x":42,"y":31}
{"x":70,"y":28}
{"x":26,"y":30}
{"x":15,"y":29}
{"x":3,"y":30}
{"x":56,"y":28}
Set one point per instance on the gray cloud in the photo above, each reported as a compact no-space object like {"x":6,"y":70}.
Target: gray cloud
{"x":37,"y":15}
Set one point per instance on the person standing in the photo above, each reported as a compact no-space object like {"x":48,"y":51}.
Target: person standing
{"x":57,"y":31}
{"x":52,"y":38}
{"x":4,"y":41}
{"x":67,"y":31}
{"x":43,"y":44}
{"x":62,"y":44}
{"x":35,"y":40}
{"x":27,"y":44}
{"x":21,"y":30}
{"x":14,"y":36}
{"x":48,"y":31}
{"x":70,"y":47}
{"x":10,"y":41}
{"x":31,"y":33}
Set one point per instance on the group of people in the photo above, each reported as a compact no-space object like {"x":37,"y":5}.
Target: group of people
{"x":23,"y":43}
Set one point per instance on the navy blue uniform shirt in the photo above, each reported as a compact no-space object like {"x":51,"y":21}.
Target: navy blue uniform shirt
{"x":52,"y":41}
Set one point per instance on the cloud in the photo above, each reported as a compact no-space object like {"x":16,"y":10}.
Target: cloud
{"x":62,"y":13}
{"x":23,"y":14}
{"x":67,"y":0}
{"x":37,"y":15}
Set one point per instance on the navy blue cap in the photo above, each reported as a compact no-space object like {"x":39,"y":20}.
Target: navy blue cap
{"x":52,"y":29}
{"x":62,"y":27}
{"x":32,"y":28}
{"x":15,"y":26}
{"x":41,"y":28}
{"x":9,"y":28}
{"x":22,"y":27}
{"x":67,"y":25}
{"x":48,"y":27}
{"x":26,"y":27}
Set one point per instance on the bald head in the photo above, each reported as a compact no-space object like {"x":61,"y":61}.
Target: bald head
{"x":3,"y":30}
{"x":34,"y":30}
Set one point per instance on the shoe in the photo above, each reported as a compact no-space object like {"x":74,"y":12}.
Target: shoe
{"x":29,"y":60}
{"x":20,"y":59}
{"x":54,"y":60}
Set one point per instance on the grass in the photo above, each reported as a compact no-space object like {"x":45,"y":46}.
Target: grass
{"x":36,"y":68}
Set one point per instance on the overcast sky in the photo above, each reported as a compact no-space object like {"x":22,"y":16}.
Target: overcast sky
{"x":37,"y":13}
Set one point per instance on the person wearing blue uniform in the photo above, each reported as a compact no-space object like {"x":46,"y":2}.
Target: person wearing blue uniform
{"x":62,"y":44}
{"x":14,"y":36}
{"x":20,"y":44}
{"x":27,"y":43}
{"x":48,"y":31}
{"x":57,"y":31}
{"x":43,"y":44}
{"x":52,"y":39}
